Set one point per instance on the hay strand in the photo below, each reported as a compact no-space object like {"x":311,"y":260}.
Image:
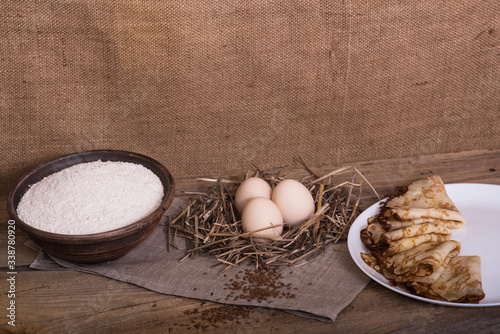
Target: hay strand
{"x":213,"y":226}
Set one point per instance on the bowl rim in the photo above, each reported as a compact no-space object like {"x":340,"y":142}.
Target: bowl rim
{"x":114,"y":234}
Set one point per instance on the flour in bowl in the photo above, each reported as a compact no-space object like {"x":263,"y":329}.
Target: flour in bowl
{"x":91,"y":197}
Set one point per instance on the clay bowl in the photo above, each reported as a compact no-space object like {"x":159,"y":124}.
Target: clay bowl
{"x":98,"y":247}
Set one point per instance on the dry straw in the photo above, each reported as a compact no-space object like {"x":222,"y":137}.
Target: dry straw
{"x":211,"y":225}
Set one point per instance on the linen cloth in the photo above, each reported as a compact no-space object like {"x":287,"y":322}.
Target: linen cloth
{"x":322,"y":287}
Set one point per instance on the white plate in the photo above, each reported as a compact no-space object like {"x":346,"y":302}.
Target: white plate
{"x":480,"y":204}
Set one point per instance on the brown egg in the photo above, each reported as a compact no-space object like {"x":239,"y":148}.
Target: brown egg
{"x":260,"y":213}
{"x":294,"y":201}
{"x":251,"y":188}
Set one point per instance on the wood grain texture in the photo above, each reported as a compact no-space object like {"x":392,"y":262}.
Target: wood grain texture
{"x":73,"y":302}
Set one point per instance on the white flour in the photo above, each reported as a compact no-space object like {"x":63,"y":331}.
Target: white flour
{"x":91,"y":197}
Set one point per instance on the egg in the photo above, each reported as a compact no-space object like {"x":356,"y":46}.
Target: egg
{"x":251,"y":188}
{"x":262,"y":213}
{"x":294,"y":201}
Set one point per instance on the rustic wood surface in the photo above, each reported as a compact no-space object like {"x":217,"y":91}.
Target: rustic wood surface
{"x":66,"y":301}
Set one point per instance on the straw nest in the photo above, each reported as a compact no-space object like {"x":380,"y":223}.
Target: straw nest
{"x":211,"y":225}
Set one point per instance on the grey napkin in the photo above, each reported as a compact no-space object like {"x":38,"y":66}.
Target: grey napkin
{"x":319,"y":289}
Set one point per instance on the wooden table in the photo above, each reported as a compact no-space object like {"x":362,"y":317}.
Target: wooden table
{"x":73,"y":302}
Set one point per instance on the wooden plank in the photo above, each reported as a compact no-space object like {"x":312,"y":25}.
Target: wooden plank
{"x":82,"y":303}
{"x":72,"y":302}
{"x":384,"y":175}
{"x":68,"y":301}
{"x":378,"y":310}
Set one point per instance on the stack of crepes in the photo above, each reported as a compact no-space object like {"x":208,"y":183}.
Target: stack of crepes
{"x":410,"y":244}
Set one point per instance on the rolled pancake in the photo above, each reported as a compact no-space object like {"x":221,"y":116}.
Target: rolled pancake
{"x":415,"y":230}
{"x":422,"y":283}
{"x":374,"y":263}
{"x":460,"y":281}
{"x":393,"y":224}
{"x":410,"y":244}
{"x":426,"y":198}
{"x":375,"y":236}
{"x":423,"y":260}
{"x":407,"y":213}
{"x":405,"y":244}
{"x":372,"y":234}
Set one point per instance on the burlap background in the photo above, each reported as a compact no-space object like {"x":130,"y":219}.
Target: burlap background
{"x":211,"y":87}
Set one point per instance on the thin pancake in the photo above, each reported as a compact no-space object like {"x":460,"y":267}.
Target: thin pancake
{"x":410,"y":244}
{"x":405,"y":244}
{"x":424,"y":198}
{"x":415,"y":230}
{"x":406,"y":213}
{"x":420,"y":264}
{"x":422,"y":283}
{"x":393,"y":224}
{"x":460,"y":281}
{"x":375,"y":234}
